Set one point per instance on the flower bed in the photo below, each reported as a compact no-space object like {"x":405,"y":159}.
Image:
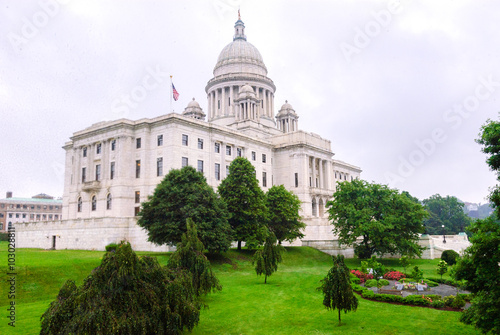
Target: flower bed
{"x":394,"y":275}
{"x":361,"y":275}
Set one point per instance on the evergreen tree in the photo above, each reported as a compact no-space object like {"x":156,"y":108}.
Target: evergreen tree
{"x":284,"y":219}
{"x":245,"y":202}
{"x":185,"y":194}
{"x":336,"y":287}
{"x":125,"y":295}
{"x":189,"y":256}
{"x":266,"y":260}
{"x":442,"y":268}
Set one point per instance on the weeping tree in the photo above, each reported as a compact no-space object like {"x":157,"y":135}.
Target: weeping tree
{"x":336,"y":287}
{"x":189,"y":256}
{"x":125,"y":295}
{"x":266,"y":260}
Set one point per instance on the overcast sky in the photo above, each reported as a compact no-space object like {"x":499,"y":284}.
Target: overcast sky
{"x":401,"y":88}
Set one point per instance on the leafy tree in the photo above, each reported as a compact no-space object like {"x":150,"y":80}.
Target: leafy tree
{"x":245,"y":202}
{"x":189,"y":256}
{"x":266,"y":260}
{"x":125,"y":295}
{"x":336,"y":287}
{"x":405,"y":262}
{"x":185,"y":194}
{"x":450,"y":256}
{"x":386,"y":221}
{"x":417,"y":274}
{"x":480,"y":269}
{"x":442,"y":268}
{"x":284,"y":219}
{"x":448,"y":211}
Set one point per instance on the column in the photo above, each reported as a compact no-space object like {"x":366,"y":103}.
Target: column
{"x":313,"y":174}
{"x":272,"y":104}
{"x":223,"y":110}
{"x":328,"y":177}
{"x":320,"y":183}
{"x":231,"y":97}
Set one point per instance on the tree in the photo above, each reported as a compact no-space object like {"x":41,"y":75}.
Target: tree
{"x":185,"y":194}
{"x":448,"y":211}
{"x":189,"y":256}
{"x":266,"y":260}
{"x":336,"y":287}
{"x":245,"y":202}
{"x":386,"y":221}
{"x":480,"y":269}
{"x":442,"y":268}
{"x":125,"y":295}
{"x":417,"y":274}
{"x":284,"y":219}
{"x":405,"y":262}
{"x":450,"y":256}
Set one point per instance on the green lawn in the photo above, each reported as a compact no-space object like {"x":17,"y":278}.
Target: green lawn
{"x":288,"y":304}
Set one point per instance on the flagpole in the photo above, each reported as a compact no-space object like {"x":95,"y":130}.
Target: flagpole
{"x":171,"y":93}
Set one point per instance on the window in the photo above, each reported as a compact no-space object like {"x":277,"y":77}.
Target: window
{"x":94,"y":203}
{"x":108,"y":201}
{"x":50,"y":216}
{"x":84,"y":176}
{"x":51,"y":207}
{"x":217,"y":171}
{"x":159,"y":166}
{"x":227,"y":170}
{"x":264,"y":179}
{"x":38,"y":216}
{"x":238,"y":152}
{"x":184,"y":161}
{"x":310,"y":182}
{"x":17,"y":215}
{"x":18,"y":206}
{"x":138,"y":168}
{"x":98,"y":172}
{"x":254,"y":155}
{"x":296,"y":180}
{"x":200,"y":143}
{"x":98,"y":148}
{"x":38,"y":207}
{"x":159,"y":140}
{"x":137,"y":210}
{"x":10,"y":215}
{"x":138,"y":143}
{"x":113,"y":145}
{"x":32,"y":216}
{"x":200,"y":166}
{"x":84,"y":152}
{"x":57,"y":207}
{"x":56,"y":217}
{"x":24,"y":216}
{"x":217,"y":148}
{"x":185,"y":140}
{"x":25,"y":207}
{"x":137,"y":197}
{"x":263,"y":158}
{"x":228,"y":150}
{"x":1,"y":215}
{"x":78,"y":206}
{"x":112,"y":170}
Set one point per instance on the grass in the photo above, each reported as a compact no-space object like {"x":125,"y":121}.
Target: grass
{"x":288,"y":304}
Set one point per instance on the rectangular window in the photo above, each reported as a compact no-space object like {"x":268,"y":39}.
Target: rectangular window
{"x":228,"y":150}
{"x":98,"y":172}
{"x":84,"y":175}
{"x":238,"y":152}
{"x":217,"y":171}
{"x":85,"y":152}
{"x":51,"y":207}
{"x":296,"y":180}
{"x":200,"y":166}
{"x":227,"y":170}
{"x":44,"y":217}
{"x":137,"y":210}
{"x":112,"y":170}
{"x":24,"y":216}
{"x":264,"y":179}
{"x":98,"y":148}
{"x":138,"y":168}
{"x":38,"y":216}
{"x":137,"y":197}
{"x":10,"y":215}
{"x":254,"y":155}
{"x":185,"y":140}
{"x":217,"y":147}
{"x":17,"y":215}
{"x":184,"y":161}
{"x":310,"y":181}
{"x":32,"y":216}
{"x":200,"y":143}
{"x":159,"y":140}
{"x":113,"y":145}
{"x":50,"y":216}
{"x":263,"y":158}
{"x":56,"y":216}
{"x":159,"y":166}
{"x":138,"y":143}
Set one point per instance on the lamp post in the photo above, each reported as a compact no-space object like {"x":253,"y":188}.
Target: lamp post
{"x":444,"y":236}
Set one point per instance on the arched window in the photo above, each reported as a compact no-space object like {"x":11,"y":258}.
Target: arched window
{"x":94,"y":203}
{"x":108,"y":201}
{"x":314,"y":207}
{"x":321,"y":208}
{"x":79,"y":204}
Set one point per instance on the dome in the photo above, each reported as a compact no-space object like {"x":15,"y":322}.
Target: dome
{"x":246,"y":91}
{"x":286,"y":109}
{"x":194,"y":110}
{"x":193,"y":103}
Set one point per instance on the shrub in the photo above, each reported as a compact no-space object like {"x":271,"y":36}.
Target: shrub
{"x":383,"y":282}
{"x":450,"y":256}
{"x":355,"y":280}
{"x":368,"y":294}
{"x":417,"y":300}
{"x":371,"y":283}
{"x":434,"y":297}
{"x":394,"y":275}
{"x":357,"y":288}
{"x":448,"y":300}
{"x":458,"y":302}
{"x":389,"y":298}
{"x":430,"y":283}
{"x":437,"y":303}
{"x":361,"y":275}
{"x":111,"y":247}
{"x":466,"y":297}
{"x":4,"y":236}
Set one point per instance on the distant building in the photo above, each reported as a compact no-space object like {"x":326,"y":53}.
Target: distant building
{"x":41,"y":207}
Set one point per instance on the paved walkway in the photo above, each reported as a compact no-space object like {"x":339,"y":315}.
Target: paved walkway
{"x":442,"y":290}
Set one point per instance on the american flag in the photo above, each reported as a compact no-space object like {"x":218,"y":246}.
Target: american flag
{"x":175,"y":93}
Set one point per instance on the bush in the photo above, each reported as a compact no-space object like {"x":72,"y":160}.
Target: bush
{"x":389,"y":298}
{"x":430,"y":283}
{"x":450,"y":256}
{"x":368,"y":294}
{"x":448,"y":300}
{"x":4,"y":236}
{"x":466,"y":297}
{"x":357,"y":288}
{"x":355,"y":280}
{"x":417,"y":300}
{"x":111,"y":247}
{"x":437,"y":303}
{"x":458,"y":302}
{"x":433,"y":296}
{"x":394,"y":275}
{"x":371,"y":283}
{"x":361,"y":275}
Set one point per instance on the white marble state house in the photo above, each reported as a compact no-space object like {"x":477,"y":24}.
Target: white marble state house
{"x":111,"y":167}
